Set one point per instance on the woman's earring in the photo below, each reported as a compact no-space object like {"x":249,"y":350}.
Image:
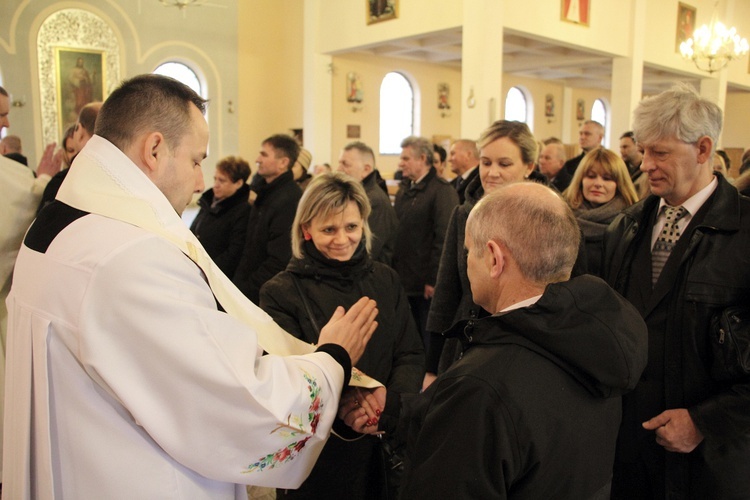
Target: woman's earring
{"x":307,"y":235}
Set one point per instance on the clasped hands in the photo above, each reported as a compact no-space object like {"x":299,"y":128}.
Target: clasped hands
{"x":361,"y":408}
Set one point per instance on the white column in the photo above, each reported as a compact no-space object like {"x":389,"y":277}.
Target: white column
{"x":627,"y":76}
{"x":482,"y":65}
{"x":569,"y":136}
{"x":715,"y":89}
{"x":317,"y":79}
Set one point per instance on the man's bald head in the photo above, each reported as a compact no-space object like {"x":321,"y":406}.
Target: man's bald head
{"x":536,"y":226}
{"x":464,"y":155}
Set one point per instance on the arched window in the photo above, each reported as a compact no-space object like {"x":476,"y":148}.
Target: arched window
{"x":396,"y":112}
{"x":519,"y":107}
{"x":599,"y":113}
{"x":182,"y":73}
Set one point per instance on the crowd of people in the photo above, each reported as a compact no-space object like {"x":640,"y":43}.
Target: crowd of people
{"x":531,"y":326}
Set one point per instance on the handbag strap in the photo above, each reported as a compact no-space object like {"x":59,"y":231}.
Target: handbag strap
{"x":309,"y":313}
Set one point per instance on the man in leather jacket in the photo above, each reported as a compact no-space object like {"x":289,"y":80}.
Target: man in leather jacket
{"x":685,"y":430}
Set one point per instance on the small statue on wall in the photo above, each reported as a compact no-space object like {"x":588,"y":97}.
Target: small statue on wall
{"x":444,"y":91}
{"x":549,"y":105}
{"x":580,"y":110}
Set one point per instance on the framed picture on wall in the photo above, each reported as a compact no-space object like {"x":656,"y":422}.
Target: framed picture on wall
{"x":354,"y":91}
{"x":80,"y":80}
{"x":685,"y":24}
{"x":580,"y":110}
{"x":575,"y":11}
{"x":549,"y":105}
{"x":381,"y":10}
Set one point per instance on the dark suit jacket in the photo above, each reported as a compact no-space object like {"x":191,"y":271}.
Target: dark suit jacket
{"x":562,"y":180}
{"x":268,"y":246}
{"x":423,"y":212}
{"x":707,"y":272}
{"x":460,"y":184}
{"x":572,"y":164}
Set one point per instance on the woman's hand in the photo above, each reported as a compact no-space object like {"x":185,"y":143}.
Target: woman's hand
{"x":361,"y":408}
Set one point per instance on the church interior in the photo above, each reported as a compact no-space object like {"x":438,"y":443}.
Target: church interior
{"x":317,"y":68}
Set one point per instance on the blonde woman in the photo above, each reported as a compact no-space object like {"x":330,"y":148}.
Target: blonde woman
{"x":601,"y":188}
{"x":331,"y":266}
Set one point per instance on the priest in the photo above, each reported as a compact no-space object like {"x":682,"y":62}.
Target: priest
{"x":134,"y":365}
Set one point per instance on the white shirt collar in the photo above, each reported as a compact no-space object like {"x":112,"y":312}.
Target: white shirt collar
{"x":695,"y":202}
{"x":466,"y":174}
{"x":524,"y":303}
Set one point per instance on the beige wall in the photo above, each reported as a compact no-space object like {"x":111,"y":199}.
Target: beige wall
{"x":608,"y":30}
{"x":372,"y":69}
{"x":588,"y":96}
{"x":545,"y":127}
{"x":739,"y":72}
{"x":270,"y":71}
{"x":735,"y":133}
{"x":148,"y":34}
{"x":661,"y":29}
{"x":343,"y":22}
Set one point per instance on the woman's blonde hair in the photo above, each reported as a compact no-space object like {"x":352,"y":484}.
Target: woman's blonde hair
{"x":518,"y":133}
{"x":609,"y":163}
{"x":326,"y":195}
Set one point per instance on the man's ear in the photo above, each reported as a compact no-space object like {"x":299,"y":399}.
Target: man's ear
{"x":153,"y":150}
{"x":705,"y":144}
{"x":496,"y":255}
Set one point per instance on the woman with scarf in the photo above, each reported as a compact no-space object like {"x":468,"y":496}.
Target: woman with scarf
{"x":221,"y":224}
{"x":331,"y":267}
{"x":508,"y":152}
{"x":601,"y":188}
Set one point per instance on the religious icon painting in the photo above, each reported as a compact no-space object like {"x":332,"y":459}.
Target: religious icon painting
{"x":381,"y":10}
{"x":575,"y":11}
{"x":685,"y":24}
{"x":80,"y":80}
{"x":354,"y":87}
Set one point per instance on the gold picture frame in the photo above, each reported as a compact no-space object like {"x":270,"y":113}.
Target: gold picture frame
{"x":80,"y":79}
{"x":381,"y":10}
{"x":685,"y":24}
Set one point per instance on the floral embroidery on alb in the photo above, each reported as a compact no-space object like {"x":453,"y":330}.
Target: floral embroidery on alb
{"x":292,"y":428}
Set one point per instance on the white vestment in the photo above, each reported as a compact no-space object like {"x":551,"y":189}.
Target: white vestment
{"x":20,"y":194}
{"x":126,"y":379}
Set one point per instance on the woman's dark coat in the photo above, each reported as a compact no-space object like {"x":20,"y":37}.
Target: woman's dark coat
{"x":222,"y":228}
{"x":394,"y":355}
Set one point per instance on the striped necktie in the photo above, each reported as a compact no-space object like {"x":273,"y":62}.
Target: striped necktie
{"x":666,"y":240}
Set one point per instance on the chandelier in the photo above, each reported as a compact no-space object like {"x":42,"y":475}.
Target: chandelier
{"x":712,"y":47}
{"x":183,"y":4}
{"x":180,"y":4}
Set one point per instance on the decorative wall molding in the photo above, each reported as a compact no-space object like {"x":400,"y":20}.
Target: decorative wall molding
{"x":75,"y":29}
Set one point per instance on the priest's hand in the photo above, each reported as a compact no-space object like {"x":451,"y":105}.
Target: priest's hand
{"x":353,"y":329}
{"x":675,"y":430}
{"x":51,"y":162}
{"x":361,"y":408}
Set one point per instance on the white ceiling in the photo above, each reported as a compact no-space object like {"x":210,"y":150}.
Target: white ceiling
{"x":530,"y":57}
